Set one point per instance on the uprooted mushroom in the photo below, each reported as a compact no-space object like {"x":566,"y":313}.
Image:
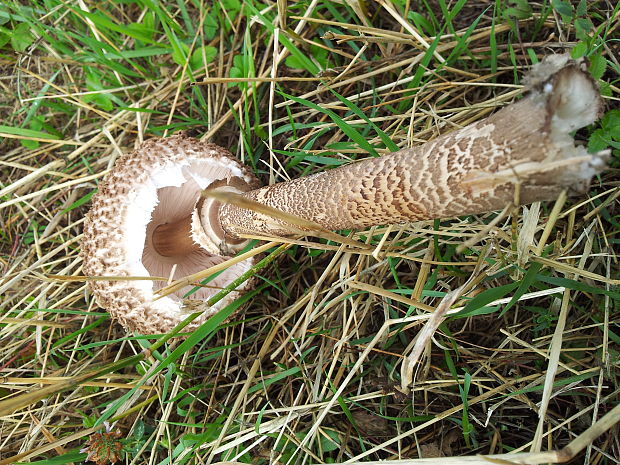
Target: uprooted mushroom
{"x":150,"y":219}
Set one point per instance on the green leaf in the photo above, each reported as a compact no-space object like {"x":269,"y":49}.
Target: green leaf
{"x":598,"y":141}
{"x":93,"y":83}
{"x":346,"y":410}
{"x":577,"y":286}
{"x":520,"y":10}
{"x":36,"y":124}
{"x":79,"y":202}
{"x":259,"y":419}
{"x":211,"y":26}
{"x":389,"y":144}
{"x":104,"y":23}
{"x":556,"y":384}
{"x":605,"y":88}
{"x":611,"y":123}
{"x":598,"y":63}
{"x":138,"y":430}
{"x":450,"y":364}
{"x":307,"y":63}
{"x":232,"y":6}
{"x":260,"y":131}
{"x":424,"y":63}
{"x":514,"y":13}
{"x":564,"y":8}
{"x":202,"y":56}
{"x":463,"y":40}
{"x":21,"y":37}
{"x":148,"y":23}
{"x":274,"y":379}
{"x":294,"y":62}
{"x":579,"y":50}
{"x":141,"y":29}
{"x":331,"y":441}
{"x":345,"y":127}
{"x":179,"y":50}
{"x":486,"y":297}
{"x":526,"y":282}
{"x":582,"y":8}
{"x":298,"y":62}
{"x":26,"y":132}
{"x":240,"y":69}
{"x":422,"y":23}
{"x":607,"y":134}
{"x":5,"y":37}
{"x":583,"y":26}
{"x":74,"y":456}
{"x":167,"y":380}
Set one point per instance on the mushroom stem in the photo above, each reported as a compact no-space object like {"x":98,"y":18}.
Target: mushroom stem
{"x":174,"y":239}
{"x":522,"y":154}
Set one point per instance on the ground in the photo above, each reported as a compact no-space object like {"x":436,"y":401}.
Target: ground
{"x":310,"y":370}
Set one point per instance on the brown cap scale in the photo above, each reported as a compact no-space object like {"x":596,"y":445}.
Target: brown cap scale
{"x":156,"y":188}
{"x":525,"y":147}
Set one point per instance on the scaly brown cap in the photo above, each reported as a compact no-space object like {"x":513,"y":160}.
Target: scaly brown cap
{"x":158,"y":183}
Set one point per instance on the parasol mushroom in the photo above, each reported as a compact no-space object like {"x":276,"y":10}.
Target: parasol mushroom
{"x":140,"y":225}
{"x":524,"y":153}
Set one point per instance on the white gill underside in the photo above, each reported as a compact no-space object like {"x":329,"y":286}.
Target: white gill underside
{"x":171,"y":195}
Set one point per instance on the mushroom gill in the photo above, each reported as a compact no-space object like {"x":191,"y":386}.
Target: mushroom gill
{"x":169,"y":248}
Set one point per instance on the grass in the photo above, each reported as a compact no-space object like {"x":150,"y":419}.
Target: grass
{"x":312,"y":370}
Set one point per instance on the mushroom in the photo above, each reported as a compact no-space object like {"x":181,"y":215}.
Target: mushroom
{"x":137,"y":227}
{"x":141,"y":224}
{"x":523,"y":152}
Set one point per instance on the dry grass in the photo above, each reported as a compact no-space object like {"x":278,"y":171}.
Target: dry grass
{"x":317,"y":368}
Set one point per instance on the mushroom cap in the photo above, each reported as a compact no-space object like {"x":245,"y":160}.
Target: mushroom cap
{"x":158,"y":183}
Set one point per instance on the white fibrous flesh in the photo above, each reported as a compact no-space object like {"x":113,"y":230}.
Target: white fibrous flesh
{"x":171,"y":196}
{"x":575,"y":108}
